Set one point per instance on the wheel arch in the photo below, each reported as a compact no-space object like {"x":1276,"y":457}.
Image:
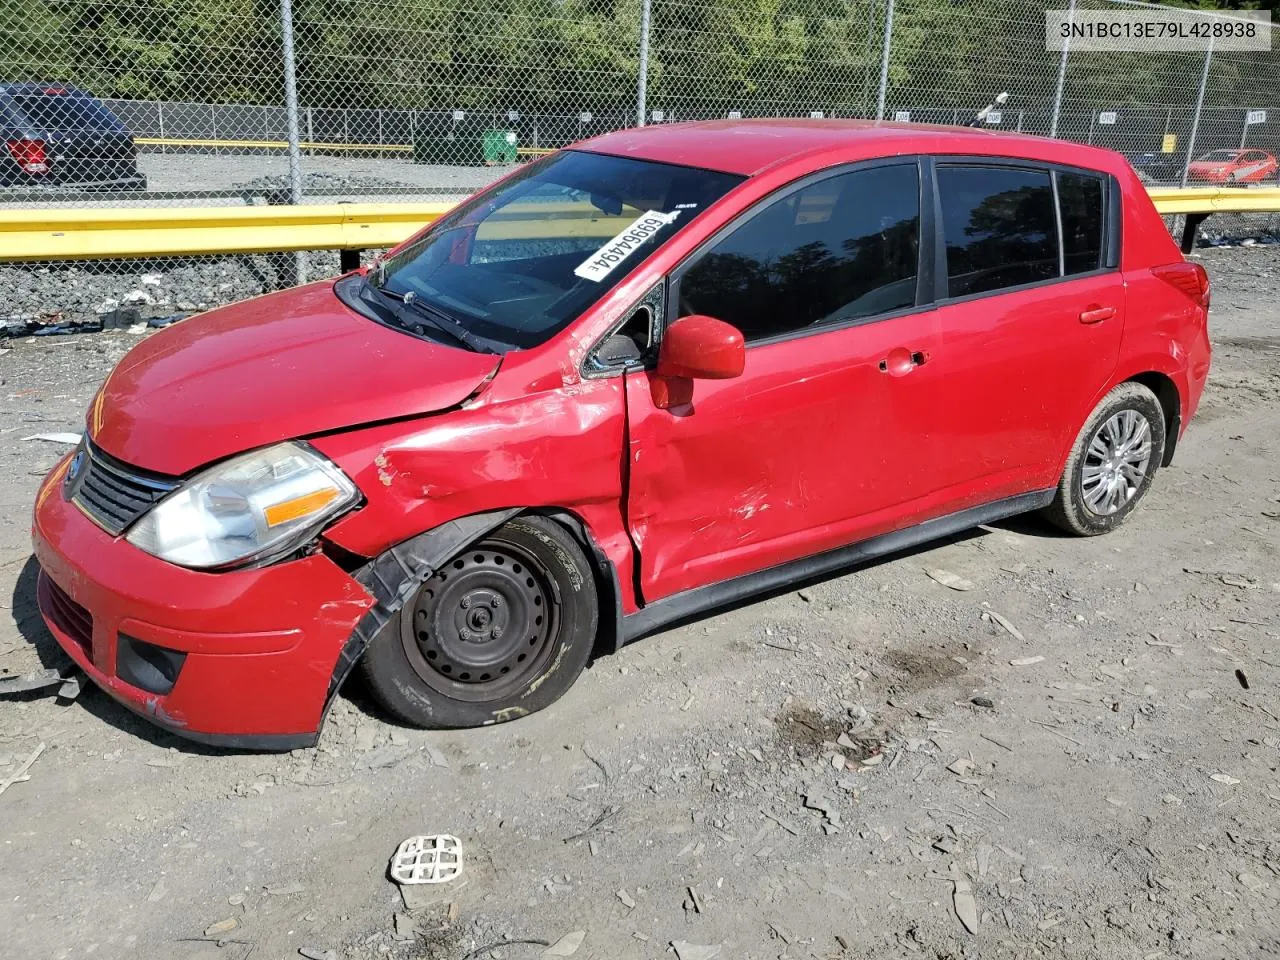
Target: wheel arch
{"x":393,"y":575}
{"x":1166,"y":392}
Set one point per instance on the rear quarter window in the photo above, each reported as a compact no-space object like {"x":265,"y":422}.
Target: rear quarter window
{"x":1080,"y":200}
{"x":65,"y":111}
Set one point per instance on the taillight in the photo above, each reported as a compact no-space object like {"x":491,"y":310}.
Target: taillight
{"x":1188,"y":277}
{"x":30,"y":155}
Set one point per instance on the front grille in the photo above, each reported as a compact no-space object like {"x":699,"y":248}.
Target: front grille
{"x":112,"y":494}
{"x":68,"y":616}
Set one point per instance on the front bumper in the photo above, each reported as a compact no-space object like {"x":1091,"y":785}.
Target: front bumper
{"x":260,"y":646}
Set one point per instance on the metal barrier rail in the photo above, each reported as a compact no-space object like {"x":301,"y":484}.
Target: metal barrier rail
{"x":326,"y":146}
{"x":87,"y":234}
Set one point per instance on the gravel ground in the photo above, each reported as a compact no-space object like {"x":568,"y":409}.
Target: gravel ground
{"x":1086,"y":744}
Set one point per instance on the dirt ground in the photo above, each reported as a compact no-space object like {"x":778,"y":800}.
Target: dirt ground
{"x":1086,"y":744}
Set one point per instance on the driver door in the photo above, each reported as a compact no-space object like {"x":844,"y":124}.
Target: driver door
{"x":825,"y":438}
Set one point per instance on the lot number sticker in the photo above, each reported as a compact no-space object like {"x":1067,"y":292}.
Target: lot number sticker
{"x":601,"y":263}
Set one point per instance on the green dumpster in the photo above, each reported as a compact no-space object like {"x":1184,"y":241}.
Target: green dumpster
{"x":499,"y":146}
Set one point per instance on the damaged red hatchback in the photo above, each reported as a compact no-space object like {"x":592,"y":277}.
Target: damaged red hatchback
{"x":644,"y":376}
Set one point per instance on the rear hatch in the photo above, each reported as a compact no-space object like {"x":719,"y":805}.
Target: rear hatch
{"x":83,"y":141}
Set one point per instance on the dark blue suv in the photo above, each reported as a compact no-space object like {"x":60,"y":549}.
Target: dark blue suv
{"x":53,"y":134}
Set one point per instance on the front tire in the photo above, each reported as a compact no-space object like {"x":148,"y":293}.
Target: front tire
{"x":1111,"y":464}
{"x":500,"y":631}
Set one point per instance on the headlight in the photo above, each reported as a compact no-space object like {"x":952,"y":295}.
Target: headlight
{"x":252,"y":506}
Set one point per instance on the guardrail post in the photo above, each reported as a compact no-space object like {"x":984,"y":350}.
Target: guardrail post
{"x":642,"y":80}
{"x":1195,"y":123}
{"x":884,"y":58}
{"x":291,"y":112}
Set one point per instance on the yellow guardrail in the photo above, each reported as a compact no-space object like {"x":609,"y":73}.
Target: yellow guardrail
{"x":97,"y":232}
{"x":305,"y":145}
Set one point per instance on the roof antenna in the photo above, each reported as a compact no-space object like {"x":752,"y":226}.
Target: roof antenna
{"x":999,"y":101}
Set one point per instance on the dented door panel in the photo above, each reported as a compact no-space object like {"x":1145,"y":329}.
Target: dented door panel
{"x":795,"y":456}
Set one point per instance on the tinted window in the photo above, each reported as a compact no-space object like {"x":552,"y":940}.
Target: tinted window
{"x":843,"y":248}
{"x":65,"y":111}
{"x":999,"y":227}
{"x":1080,"y":200}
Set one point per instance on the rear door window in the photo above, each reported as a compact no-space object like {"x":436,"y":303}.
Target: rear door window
{"x":65,"y":111}
{"x":841,"y":249}
{"x":1080,"y":200}
{"x":999,"y":227}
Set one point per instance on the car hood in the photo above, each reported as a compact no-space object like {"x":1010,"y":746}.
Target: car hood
{"x":274,"y":368}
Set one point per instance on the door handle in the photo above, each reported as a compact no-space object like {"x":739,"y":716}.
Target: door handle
{"x":901,"y":361}
{"x":1094,"y":313}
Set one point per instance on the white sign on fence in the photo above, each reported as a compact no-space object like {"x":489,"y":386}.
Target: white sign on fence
{"x":902,"y":116}
{"x":1255,"y":116}
{"x":994,"y":117}
{"x":459,"y":115}
{"x":659,"y":116}
{"x":513,"y":115}
{"x":1107,"y":117}
{"x":735,"y":114}
{"x":815,"y":114}
{"x":584,"y":117}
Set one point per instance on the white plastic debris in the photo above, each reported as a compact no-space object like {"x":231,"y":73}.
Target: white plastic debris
{"x":71,"y":438}
{"x":436,"y":858}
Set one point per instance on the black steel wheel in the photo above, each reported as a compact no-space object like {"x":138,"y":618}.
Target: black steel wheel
{"x":500,"y":630}
{"x":483,"y":625}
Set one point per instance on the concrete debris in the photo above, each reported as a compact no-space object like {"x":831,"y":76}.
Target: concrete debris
{"x":1223,"y":778}
{"x":948,"y":579}
{"x":315,"y":953}
{"x":567,"y":945}
{"x":695,"y":951}
{"x":962,"y":767}
{"x":1026,"y":661}
{"x":992,"y":617}
{"x":962,"y":900}
{"x":403,"y":927}
{"x":626,"y":899}
{"x":221,"y":927}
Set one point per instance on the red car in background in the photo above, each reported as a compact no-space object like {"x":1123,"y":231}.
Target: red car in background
{"x":1234,"y":166}
{"x":640,"y":378}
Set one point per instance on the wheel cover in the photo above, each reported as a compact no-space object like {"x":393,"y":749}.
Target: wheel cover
{"x":484,"y":625}
{"x":1115,"y":462}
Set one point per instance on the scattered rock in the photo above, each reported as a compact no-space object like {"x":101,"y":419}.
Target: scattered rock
{"x":948,"y":579}
{"x":221,"y":927}
{"x":567,"y":945}
{"x":695,"y":951}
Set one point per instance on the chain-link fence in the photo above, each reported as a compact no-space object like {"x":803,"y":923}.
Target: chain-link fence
{"x":180,"y":101}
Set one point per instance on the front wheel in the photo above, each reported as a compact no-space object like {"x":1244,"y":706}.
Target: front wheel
{"x":500,"y":631}
{"x":1112,"y":462}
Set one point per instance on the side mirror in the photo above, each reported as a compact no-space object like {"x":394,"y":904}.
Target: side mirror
{"x":695,"y":348}
{"x":702,"y":348}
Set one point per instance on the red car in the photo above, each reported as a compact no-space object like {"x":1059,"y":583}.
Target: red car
{"x":1233,"y":166}
{"x":643,"y":377}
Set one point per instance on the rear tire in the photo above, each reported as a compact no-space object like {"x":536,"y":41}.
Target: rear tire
{"x":500,"y":631}
{"x":1111,"y":464}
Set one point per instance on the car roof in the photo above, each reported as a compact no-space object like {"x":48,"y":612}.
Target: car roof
{"x":747,"y":147}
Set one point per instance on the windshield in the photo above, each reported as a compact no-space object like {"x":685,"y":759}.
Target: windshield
{"x":1221,"y":155}
{"x":65,"y":111}
{"x":517,"y":264}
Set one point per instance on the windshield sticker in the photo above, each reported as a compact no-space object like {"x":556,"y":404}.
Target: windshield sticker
{"x":601,"y":263}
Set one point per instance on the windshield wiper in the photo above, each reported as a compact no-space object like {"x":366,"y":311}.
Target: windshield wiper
{"x":435,"y":318}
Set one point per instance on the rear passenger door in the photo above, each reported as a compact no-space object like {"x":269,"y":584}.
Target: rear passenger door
{"x":1031,"y":311}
